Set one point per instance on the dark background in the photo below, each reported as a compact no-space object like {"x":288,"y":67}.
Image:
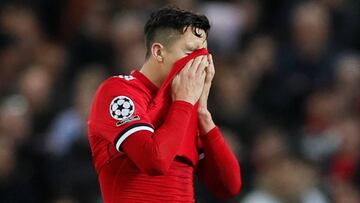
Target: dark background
{"x":286,"y":93}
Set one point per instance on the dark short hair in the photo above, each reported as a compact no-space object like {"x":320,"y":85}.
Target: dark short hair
{"x":169,"y":22}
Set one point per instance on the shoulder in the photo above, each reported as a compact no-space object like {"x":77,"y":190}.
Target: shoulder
{"x":117,"y":90}
{"x":125,"y":82}
{"x":118,"y":99}
{"x":126,"y":85}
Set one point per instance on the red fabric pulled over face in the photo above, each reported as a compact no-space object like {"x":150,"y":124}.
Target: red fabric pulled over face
{"x":159,"y":107}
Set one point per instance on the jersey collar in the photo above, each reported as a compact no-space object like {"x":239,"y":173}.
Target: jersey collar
{"x":143,"y":79}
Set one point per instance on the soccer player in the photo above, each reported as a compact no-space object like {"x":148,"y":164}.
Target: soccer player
{"x":150,"y":132}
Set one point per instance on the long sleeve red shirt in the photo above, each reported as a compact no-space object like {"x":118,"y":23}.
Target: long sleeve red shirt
{"x":137,"y":163}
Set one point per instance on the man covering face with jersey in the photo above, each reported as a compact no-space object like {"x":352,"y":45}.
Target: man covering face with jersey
{"x":150,"y":132}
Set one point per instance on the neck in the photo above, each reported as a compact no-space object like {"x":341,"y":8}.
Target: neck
{"x":152,"y":73}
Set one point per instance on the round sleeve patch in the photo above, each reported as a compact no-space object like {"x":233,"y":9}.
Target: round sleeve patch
{"x":121,"y":107}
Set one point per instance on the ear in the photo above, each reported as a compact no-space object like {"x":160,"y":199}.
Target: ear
{"x":157,"y":51}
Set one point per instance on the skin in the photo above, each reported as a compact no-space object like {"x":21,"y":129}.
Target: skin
{"x":193,"y":82}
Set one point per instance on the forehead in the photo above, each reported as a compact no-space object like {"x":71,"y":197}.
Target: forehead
{"x":190,"y":40}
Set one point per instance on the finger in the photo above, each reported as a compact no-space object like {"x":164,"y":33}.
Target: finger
{"x":208,"y":77}
{"x":211,"y":63}
{"x":203,"y":75}
{"x":195,"y":64}
{"x":188,"y":65}
{"x":211,"y":69}
{"x":202,"y":66}
{"x":175,"y":79}
{"x":210,"y":58}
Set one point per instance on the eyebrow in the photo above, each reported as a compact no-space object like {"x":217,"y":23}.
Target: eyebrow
{"x":204,"y":41}
{"x":191,"y":48}
{"x":194,"y":46}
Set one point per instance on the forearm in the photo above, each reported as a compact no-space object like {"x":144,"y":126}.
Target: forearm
{"x":205,"y":121}
{"x":219,"y":170}
{"x":153,"y":153}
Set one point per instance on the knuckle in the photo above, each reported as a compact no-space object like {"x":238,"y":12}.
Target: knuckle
{"x":182,"y":72}
{"x":187,"y":74}
{"x":191,"y":76}
{"x":196,"y":64}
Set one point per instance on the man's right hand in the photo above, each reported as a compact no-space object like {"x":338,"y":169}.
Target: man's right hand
{"x":188,"y":84}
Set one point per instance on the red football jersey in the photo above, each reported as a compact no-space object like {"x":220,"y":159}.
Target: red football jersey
{"x":118,"y":111}
{"x":135,"y":162}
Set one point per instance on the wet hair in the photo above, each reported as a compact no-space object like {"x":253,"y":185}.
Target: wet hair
{"x":168,"y":23}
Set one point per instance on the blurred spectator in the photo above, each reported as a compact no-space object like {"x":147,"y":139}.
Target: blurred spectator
{"x":7,"y":154}
{"x":226,"y":20}
{"x":287,"y":180}
{"x":71,"y":124}
{"x":232,"y":139}
{"x":345,"y":17}
{"x":306,"y":63}
{"x":14,"y":186}
{"x":15,"y":109}
{"x":327,"y":108}
{"x":22,"y":23}
{"x":243,"y":83}
{"x":184,"y":4}
{"x":270,"y":145}
{"x":16,"y":166}
{"x":345,"y":161}
{"x":258,"y":60}
{"x":35,"y":84}
{"x":348,"y":79}
{"x":10,"y":62}
{"x":345,"y":193}
{"x":314,"y":17}
{"x":231,"y":86}
{"x":52,"y":57}
{"x":230,"y":19}
{"x":91,"y":43}
{"x":72,"y":171}
{"x":127,"y":38}
{"x":324,"y":109}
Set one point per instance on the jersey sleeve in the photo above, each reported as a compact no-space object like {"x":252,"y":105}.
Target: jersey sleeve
{"x":118,"y":112}
{"x":219,"y":169}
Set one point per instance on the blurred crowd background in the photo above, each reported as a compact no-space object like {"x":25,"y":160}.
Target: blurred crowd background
{"x":286,"y":93}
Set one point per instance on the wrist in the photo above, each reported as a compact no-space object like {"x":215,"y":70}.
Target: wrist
{"x":206,"y":123}
{"x":183,"y":102}
{"x":185,"y":99}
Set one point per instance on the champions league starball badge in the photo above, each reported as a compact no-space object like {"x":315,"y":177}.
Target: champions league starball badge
{"x":121,"y":108}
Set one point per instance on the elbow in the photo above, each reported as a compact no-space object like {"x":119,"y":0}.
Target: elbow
{"x":155,"y":171}
{"x":157,"y":163}
{"x":235,"y":184}
{"x":230,"y":190}
{"x":235,"y":187}
{"x":233,"y":191}
{"x":157,"y":168}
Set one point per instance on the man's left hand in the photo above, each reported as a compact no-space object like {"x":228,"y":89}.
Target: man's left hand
{"x":205,"y":120}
